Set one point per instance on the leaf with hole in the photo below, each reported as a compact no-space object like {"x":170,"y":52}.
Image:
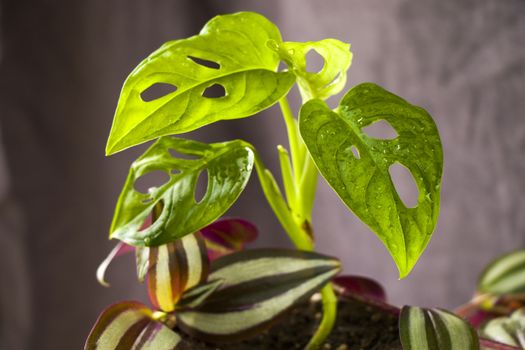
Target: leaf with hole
{"x":363,"y":182}
{"x":434,"y":329}
{"x":225,"y":72}
{"x":131,"y":325}
{"x":327,"y":81}
{"x":228,"y":166}
{"x":505,"y":275}
{"x":257,"y":287}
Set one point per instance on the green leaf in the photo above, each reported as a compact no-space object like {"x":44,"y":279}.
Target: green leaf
{"x":505,"y":275}
{"x":257,"y":287}
{"x":507,"y":330}
{"x":228,"y":165}
{"x":357,"y":165}
{"x":174,"y":268}
{"x":331,"y":79}
{"x":230,"y":51}
{"x":130,"y":325}
{"x":434,"y":329}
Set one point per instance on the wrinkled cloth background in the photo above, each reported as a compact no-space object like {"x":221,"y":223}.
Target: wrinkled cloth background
{"x":63,"y":62}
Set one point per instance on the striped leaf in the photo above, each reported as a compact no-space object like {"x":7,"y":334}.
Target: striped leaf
{"x":130,"y":325}
{"x":225,"y":236}
{"x":507,"y":330}
{"x":505,"y":275}
{"x":222,"y":237}
{"x":196,"y":295}
{"x":174,"y":268}
{"x":434,"y":329}
{"x":258,"y":287}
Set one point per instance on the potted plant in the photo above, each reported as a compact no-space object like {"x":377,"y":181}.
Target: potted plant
{"x":204,"y":288}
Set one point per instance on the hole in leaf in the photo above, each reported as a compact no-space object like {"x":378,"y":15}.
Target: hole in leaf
{"x":157,"y":91}
{"x":404,"y":184}
{"x":176,"y":154}
{"x":355,"y":152}
{"x":205,"y":63}
{"x":381,"y":130}
{"x":201,"y":186}
{"x":283,"y":67}
{"x":153,"y":179}
{"x":175,"y":171}
{"x":214,"y":91}
{"x":314,"y":61}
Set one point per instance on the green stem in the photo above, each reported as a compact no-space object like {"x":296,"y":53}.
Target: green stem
{"x":305,"y":177}
{"x":297,"y":147}
{"x":328,"y":321}
{"x":273,"y":195}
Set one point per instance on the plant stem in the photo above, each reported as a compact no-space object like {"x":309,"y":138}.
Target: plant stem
{"x":328,"y":321}
{"x":297,"y":147}
{"x":305,"y":176}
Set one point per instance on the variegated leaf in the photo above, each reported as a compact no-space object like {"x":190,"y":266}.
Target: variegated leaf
{"x":258,"y":287}
{"x":222,"y":237}
{"x":227,"y":235}
{"x":505,"y":275}
{"x":434,"y":329}
{"x":507,"y":330}
{"x":174,"y":268}
{"x":196,"y":295}
{"x":130,"y":325}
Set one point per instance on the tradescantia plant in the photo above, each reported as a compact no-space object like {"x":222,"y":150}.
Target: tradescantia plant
{"x":198,"y":278}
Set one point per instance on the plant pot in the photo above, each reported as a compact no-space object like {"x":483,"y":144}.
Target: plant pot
{"x":361,"y":324}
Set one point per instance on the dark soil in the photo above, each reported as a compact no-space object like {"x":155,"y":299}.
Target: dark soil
{"x":359,"y":326}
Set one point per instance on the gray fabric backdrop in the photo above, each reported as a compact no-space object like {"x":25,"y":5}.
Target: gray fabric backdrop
{"x":62,"y":65}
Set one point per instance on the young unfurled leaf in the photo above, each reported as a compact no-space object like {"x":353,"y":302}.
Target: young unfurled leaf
{"x":130,"y":325}
{"x":174,"y":268}
{"x":228,"y":166}
{"x":225,"y":236}
{"x":434,"y":329}
{"x":505,"y":275}
{"x":229,"y":53}
{"x":120,"y":249}
{"x":257,"y":287}
{"x":360,"y":286}
{"x":331,"y":79}
{"x":507,"y":330}
{"x":357,"y":166}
